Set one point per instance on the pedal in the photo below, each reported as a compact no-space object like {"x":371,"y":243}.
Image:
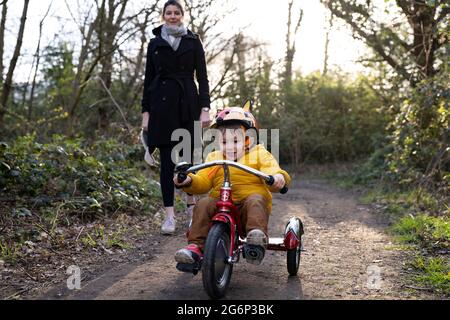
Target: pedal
{"x":193,"y":268}
{"x":254,"y":254}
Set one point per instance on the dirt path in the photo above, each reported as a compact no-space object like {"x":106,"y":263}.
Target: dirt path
{"x":345,"y":244}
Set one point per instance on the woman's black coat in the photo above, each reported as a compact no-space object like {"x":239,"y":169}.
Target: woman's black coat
{"x":170,"y":93}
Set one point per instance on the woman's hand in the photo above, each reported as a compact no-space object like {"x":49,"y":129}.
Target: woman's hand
{"x":205,"y":119}
{"x":186,"y":182}
{"x":145,"y":119}
{"x":280,"y":182}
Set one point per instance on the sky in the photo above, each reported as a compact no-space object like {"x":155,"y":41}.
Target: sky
{"x":265,"y":20}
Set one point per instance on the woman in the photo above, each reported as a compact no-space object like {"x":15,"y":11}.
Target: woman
{"x":171,"y":100}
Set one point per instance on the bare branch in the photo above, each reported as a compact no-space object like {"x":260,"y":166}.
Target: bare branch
{"x":115,"y":103}
{"x":37,"y":57}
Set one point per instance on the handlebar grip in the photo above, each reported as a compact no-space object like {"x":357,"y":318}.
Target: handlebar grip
{"x":271,"y":181}
{"x":181,"y":177}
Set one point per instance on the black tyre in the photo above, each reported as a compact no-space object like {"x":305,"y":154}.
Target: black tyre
{"x":293,"y":260}
{"x":216,"y":269}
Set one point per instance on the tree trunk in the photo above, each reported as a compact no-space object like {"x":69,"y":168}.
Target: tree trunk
{"x":107,"y":34}
{"x":241,"y":68}
{"x":2,"y":38}
{"x":131,"y":96}
{"x":82,"y":75}
{"x":290,"y":48}
{"x":327,"y":45}
{"x":422,"y":23}
{"x":7,"y":85}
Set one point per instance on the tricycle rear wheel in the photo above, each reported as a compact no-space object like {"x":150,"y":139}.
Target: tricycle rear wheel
{"x":293,"y":260}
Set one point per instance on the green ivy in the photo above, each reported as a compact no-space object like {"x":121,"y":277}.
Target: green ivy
{"x":102,"y":178}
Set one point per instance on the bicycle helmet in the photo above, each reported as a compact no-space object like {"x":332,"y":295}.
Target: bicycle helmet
{"x":236,"y":115}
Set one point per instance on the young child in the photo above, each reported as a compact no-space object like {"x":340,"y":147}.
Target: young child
{"x":250,"y":193}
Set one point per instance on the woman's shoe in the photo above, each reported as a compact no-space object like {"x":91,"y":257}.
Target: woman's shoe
{"x":168,"y":227}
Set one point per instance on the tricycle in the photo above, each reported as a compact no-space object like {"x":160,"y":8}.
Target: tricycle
{"x":226,"y":238}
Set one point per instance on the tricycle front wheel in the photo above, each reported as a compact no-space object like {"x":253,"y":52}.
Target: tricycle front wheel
{"x":216,"y":269}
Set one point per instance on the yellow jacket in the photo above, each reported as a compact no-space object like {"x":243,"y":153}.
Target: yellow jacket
{"x":243,"y":184}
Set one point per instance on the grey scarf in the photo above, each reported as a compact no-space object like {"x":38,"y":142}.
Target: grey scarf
{"x":176,"y":32}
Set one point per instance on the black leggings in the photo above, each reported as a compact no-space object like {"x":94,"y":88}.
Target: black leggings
{"x":167,"y":174}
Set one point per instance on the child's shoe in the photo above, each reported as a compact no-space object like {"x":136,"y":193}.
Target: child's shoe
{"x":255,"y":248}
{"x":189,"y":255}
{"x":257,"y":237}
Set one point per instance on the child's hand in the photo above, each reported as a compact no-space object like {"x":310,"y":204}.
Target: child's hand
{"x":280,"y":182}
{"x":186,"y":182}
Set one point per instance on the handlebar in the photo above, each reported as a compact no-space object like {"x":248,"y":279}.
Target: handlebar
{"x":184,"y":168}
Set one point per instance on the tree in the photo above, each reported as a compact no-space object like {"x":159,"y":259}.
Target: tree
{"x":36,"y":62}
{"x":7,"y":82}
{"x":410,"y":45}
{"x":132,"y":68}
{"x":115,"y":27}
{"x":414,"y":43}
{"x":290,"y":45}
{"x":220,"y":50}
{"x":2,"y":37}
{"x":104,"y":28}
{"x":330,"y":118}
{"x":327,"y":45}
{"x":88,"y":60}
{"x":107,"y":30}
{"x":58,"y":72}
